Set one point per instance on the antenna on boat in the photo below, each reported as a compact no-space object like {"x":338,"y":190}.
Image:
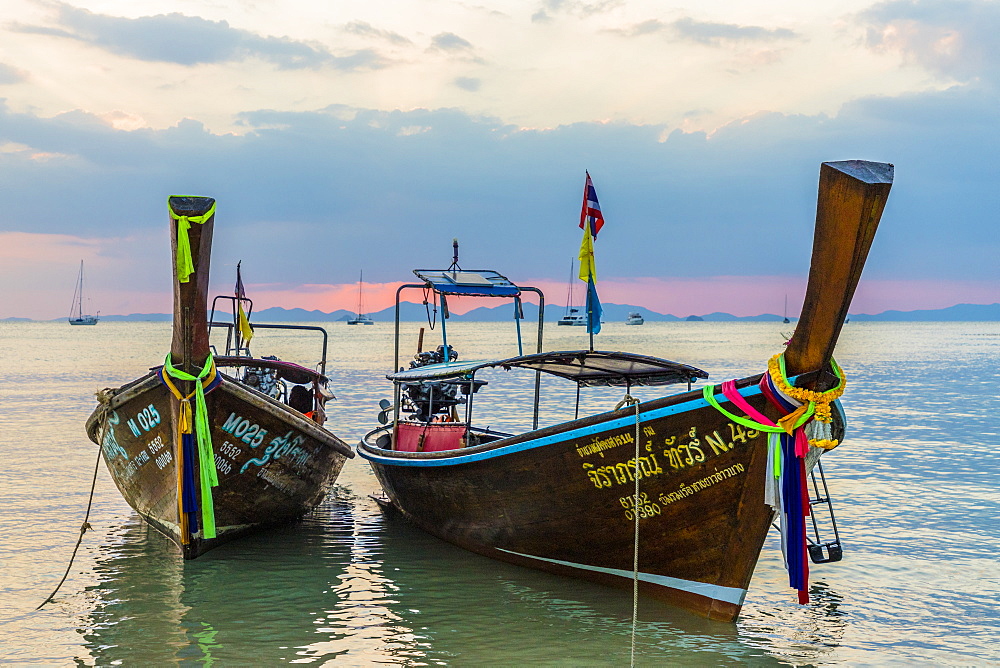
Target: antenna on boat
{"x":454,"y":260}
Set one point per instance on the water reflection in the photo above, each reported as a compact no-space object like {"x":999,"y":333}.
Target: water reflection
{"x":443,"y":605}
{"x":350,"y":585}
{"x":916,"y":504}
{"x":800,"y":634}
{"x":258,"y":597}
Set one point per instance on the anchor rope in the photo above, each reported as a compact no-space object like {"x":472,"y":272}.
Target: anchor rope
{"x":86,"y":524}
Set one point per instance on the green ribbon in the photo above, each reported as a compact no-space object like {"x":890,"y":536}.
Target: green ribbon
{"x":708,"y":392}
{"x":208,"y":476}
{"x":185,"y":265}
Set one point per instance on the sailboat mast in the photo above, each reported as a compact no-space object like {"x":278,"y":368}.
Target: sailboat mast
{"x":79,"y":294}
{"x":569,"y":296}
{"x":76,"y":307}
{"x":361,"y":278}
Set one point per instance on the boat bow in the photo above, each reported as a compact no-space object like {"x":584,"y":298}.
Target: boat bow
{"x":852,"y":197}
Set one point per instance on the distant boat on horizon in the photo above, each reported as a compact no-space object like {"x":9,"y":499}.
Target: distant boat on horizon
{"x":362,"y":318}
{"x":76,"y":314}
{"x":635,"y":318}
{"x":786,"y":320}
{"x":572,"y":316}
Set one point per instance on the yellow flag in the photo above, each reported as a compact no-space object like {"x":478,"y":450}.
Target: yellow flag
{"x":588,"y":268}
{"x":245,"y":330}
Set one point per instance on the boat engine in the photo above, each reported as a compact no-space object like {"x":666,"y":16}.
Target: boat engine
{"x":264,"y":380}
{"x":426,"y":399}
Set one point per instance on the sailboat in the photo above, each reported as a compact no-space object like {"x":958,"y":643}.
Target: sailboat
{"x":572,"y":315}
{"x":786,"y":320}
{"x":76,"y":315}
{"x":361,"y":318}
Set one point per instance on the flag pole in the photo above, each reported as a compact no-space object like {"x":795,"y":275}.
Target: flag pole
{"x":591,"y":221}
{"x":590,"y":317}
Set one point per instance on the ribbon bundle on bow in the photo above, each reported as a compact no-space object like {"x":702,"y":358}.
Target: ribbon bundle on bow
{"x":789,"y":440}
{"x":185,"y":265}
{"x":194,"y":430}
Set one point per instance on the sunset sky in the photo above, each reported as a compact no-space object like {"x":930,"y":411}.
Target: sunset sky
{"x":356,"y":135}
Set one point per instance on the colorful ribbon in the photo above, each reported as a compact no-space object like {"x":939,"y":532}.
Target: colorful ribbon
{"x":786,"y":490}
{"x":185,"y":265}
{"x":197,"y":422}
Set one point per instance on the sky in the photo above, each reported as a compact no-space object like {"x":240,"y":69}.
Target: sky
{"x":363,"y":136}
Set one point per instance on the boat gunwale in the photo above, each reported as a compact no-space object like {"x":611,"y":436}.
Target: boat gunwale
{"x":275,"y":408}
{"x":681,"y":402}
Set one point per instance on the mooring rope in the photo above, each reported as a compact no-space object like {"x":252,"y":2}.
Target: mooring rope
{"x":86,"y":525}
{"x":635,"y":513}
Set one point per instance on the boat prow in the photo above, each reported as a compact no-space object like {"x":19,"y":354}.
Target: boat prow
{"x":207,"y":448}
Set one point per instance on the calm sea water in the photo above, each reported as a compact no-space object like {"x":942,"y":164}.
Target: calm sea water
{"x":915,"y":488}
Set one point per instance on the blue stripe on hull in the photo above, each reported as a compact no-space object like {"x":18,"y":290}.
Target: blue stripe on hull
{"x":580,"y":433}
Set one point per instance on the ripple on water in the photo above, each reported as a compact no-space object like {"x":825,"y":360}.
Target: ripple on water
{"x":913,"y":486}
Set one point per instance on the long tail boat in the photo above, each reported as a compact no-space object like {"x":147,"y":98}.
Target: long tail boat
{"x":673,"y":496}
{"x":207,"y":448}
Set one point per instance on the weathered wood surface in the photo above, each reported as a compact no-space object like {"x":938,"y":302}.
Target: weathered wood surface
{"x":852,"y":196}
{"x":561,"y":499}
{"x":189,"y":346}
{"x":273,"y":464}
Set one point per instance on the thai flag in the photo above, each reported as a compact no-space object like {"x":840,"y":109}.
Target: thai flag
{"x":591,"y":221}
{"x":591,"y":209}
{"x":243,"y":323}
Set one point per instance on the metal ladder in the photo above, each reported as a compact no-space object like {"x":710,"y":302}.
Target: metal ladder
{"x":820,"y":551}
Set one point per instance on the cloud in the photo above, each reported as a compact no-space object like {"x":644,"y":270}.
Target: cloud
{"x":191,"y":40}
{"x":449,"y":41}
{"x":549,"y":8}
{"x":470,"y":84}
{"x":309,"y":197}
{"x":709,"y":32}
{"x":11,"y":75}
{"x":453,"y":45}
{"x":364,"y":29}
{"x":955,"y":39}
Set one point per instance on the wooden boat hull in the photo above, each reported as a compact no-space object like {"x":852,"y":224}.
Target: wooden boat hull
{"x":561,"y":499}
{"x":273,"y":465}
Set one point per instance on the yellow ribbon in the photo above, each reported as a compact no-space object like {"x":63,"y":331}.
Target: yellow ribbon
{"x":790,"y":422}
{"x":185,"y":265}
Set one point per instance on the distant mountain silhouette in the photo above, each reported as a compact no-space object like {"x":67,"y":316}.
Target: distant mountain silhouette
{"x":409,"y":311}
{"x":956,"y":313}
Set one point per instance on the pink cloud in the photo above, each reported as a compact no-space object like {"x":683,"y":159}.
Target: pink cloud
{"x":26,"y":248}
{"x":128,"y":275}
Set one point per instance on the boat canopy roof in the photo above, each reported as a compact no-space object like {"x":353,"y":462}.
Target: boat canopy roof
{"x":474,"y":283}
{"x":588,"y":368}
{"x":293,"y":373}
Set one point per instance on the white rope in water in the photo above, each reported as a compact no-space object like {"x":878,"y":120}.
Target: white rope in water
{"x":635,"y":549}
